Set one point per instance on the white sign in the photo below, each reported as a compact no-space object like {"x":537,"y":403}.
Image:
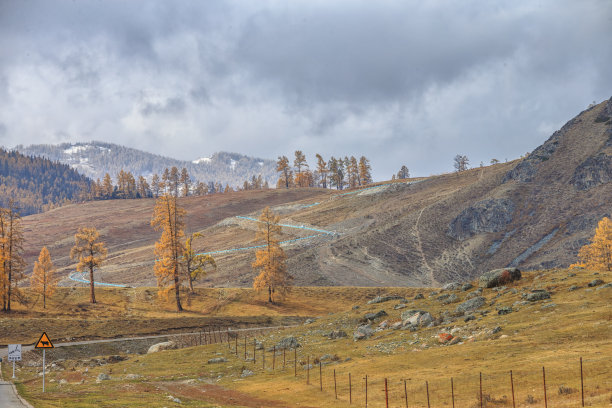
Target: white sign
{"x":14,"y":352}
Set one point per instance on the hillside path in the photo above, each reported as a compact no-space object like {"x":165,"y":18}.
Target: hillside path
{"x":420,"y":249}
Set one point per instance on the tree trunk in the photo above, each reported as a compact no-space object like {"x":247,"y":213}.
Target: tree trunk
{"x":179,"y":308}
{"x":91,"y":286}
{"x":190,"y":284}
{"x":269,"y":294}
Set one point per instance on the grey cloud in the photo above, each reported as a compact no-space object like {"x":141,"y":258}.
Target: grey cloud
{"x":170,"y":106}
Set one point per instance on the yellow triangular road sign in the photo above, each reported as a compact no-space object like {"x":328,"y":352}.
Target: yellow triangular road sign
{"x":44,"y":342}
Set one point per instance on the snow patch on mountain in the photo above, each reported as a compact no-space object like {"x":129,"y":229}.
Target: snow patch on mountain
{"x":202,"y":160}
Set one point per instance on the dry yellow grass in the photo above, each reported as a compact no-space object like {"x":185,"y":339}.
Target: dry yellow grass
{"x":579,"y":325}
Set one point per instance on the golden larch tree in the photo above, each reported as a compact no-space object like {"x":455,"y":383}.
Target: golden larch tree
{"x":90,"y":253}
{"x":598,"y":254}
{"x":43,"y":279}
{"x":270,"y":261}
{"x":194,"y":264}
{"x":168,"y":217}
{"x":286,"y":177}
{"x":11,"y":248}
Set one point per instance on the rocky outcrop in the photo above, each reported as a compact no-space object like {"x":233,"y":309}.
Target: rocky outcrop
{"x":498,"y":277}
{"x":166,"y":345}
{"x":592,"y":172}
{"x":386,"y":298}
{"x":471,"y":305}
{"x":606,"y":113}
{"x":288,"y":343}
{"x":363,"y":332}
{"x":484,"y":216}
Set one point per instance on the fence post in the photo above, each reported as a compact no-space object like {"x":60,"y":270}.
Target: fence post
{"x":386,"y":395}
{"x":512,"y":388}
{"x":480,"y":389}
{"x":295,"y":362}
{"x":284,"y":357}
{"x":214,"y":335}
{"x":254,"y":348}
{"x":308,"y":371}
{"x":452,"y":392}
{"x":350,"y":390}
{"x":366,"y":393}
{"x":544,"y":383}
{"x":236,"y":348}
{"x":321,"y":375}
{"x":229,"y":344}
{"x":335,"y":387}
{"x":581,"y":383}
{"x":427,"y":388}
{"x":405,"y":393}
{"x":273,"y":357}
{"x":200,"y":337}
{"x":263,"y":354}
{"x":245,"y":338}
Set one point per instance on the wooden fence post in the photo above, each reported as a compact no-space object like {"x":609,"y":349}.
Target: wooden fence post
{"x":405,"y":393}
{"x":321,"y":375}
{"x":308,"y":371}
{"x":295,"y":362}
{"x":284,"y":357}
{"x":581,"y":383}
{"x":480,"y":389}
{"x":366,"y":391}
{"x":512,"y":388}
{"x":427,"y":388}
{"x":350,"y":390}
{"x":254,"y":348}
{"x":335,"y":387}
{"x":386,"y":394}
{"x":245,"y":339}
{"x":236,"y":348}
{"x":544,"y":383}
{"x":273,"y":357}
{"x":263,"y":354}
{"x":452,"y":392}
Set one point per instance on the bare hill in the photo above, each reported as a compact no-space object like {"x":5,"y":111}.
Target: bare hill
{"x":531,"y":213}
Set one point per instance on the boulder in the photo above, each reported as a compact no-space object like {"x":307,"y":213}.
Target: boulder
{"x":504,"y":310}
{"x":452,"y":286}
{"x":466,"y":286}
{"x":407,"y":314}
{"x":420,"y":319}
{"x":484,"y":216}
{"x":606,"y":286}
{"x":166,"y":345}
{"x":498,"y":277}
{"x":102,"y":377}
{"x":471,"y":304}
{"x":537,"y":294}
{"x":595,"y":282}
{"x":290,"y":343}
{"x":385,"y":298}
{"x":132,"y":376}
{"x":444,"y":337}
{"x":450,"y":299}
{"x":363,"y":332}
{"x":374,"y":316}
{"x":336,"y":334}
{"x":246,"y":373}
{"x":217,"y":360}
{"x":419,"y":296}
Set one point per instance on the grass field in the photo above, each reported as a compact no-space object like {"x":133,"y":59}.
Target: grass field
{"x":552,"y":333}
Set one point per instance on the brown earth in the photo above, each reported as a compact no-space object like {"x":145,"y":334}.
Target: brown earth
{"x":532,"y":213}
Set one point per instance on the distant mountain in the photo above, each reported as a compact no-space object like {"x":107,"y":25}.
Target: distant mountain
{"x":94,"y":159}
{"x":36,"y":183}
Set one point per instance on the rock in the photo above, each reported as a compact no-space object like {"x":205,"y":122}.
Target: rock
{"x":309,"y":321}
{"x":132,"y":376}
{"x":469,"y":317}
{"x":384,"y":324}
{"x":363,"y":332}
{"x":484,"y":216}
{"x":452,"y":286}
{"x":63,"y":381}
{"x":474,"y":294}
{"x":246,"y":373}
{"x":471,"y":304}
{"x":397,"y":325}
{"x":419,"y":296}
{"x":385,"y":298}
{"x":451,"y":299}
{"x":335,"y":334}
{"x":407,"y":314}
{"x":498,"y":277}
{"x":573,"y":288}
{"x":606,"y":286}
{"x":549,"y":306}
{"x":217,"y":360}
{"x":291,"y":342}
{"x":496,"y":330}
{"x":455,"y":340}
{"x":326,"y":357}
{"x":538,"y":294}
{"x":374,"y":316}
{"x":444,"y":338}
{"x":595,"y":282}
{"x":420,"y":319}
{"x":594,"y":171}
{"x":174,"y":399}
{"x":102,"y":377}
{"x":166,"y":345}
{"x":400,"y":306}
{"x":356,"y":307}
{"x":466,"y":286}
{"x":504,"y":310}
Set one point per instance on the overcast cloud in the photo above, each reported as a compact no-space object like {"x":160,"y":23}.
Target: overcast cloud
{"x":401,"y":82}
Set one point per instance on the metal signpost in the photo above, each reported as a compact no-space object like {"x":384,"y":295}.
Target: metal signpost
{"x":14,"y":354}
{"x":44,"y":343}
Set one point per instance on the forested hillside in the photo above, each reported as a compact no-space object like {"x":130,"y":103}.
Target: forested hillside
{"x":95,"y":159}
{"x":36,"y":183}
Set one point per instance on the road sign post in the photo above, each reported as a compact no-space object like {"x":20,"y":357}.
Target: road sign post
{"x":44,"y":343}
{"x":14,"y":354}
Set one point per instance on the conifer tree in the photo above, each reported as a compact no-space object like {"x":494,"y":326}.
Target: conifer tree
{"x":365,"y":171}
{"x":107,"y":187}
{"x":144,"y":190}
{"x":270,"y":261}
{"x":194,"y":264}
{"x":89,"y":252}
{"x":598,"y":254}
{"x":282,"y":166}
{"x":185,"y":181}
{"x":11,"y":249}
{"x":155,"y":185}
{"x":403,"y":173}
{"x":43,"y":280}
{"x":168,"y":217}
{"x":300,"y":162}
{"x":322,"y":170}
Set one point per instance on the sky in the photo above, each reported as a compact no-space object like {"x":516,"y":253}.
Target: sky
{"x":402,"y":82}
